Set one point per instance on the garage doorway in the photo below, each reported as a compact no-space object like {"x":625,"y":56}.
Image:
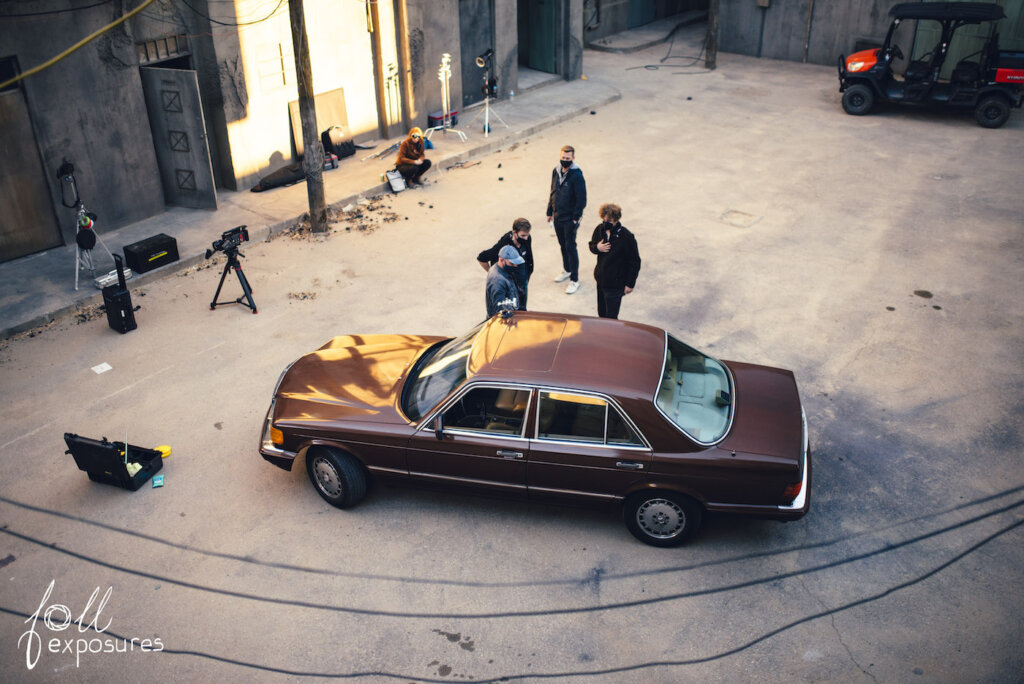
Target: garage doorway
{"x":28,"y":223}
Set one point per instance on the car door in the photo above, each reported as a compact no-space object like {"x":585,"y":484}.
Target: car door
{"x":480,"y":442}
{"x":583,"y":447}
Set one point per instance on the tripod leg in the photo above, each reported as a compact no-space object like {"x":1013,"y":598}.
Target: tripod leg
{"x":246,"y":290}
{"x":223,"y":275}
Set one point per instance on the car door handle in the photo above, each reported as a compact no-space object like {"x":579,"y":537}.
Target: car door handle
{"x":629,"y":465}
{"x":510,"y":454}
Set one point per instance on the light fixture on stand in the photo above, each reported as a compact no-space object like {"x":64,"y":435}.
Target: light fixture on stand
{"x":444,"y":74}
{"x":490,"y":89}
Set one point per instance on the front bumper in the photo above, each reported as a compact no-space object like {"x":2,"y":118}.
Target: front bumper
{"x":280,"y":457}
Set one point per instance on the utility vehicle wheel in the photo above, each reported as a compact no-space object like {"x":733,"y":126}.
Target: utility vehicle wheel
{"x":661,"y":518}
{"x":336,"y":476}
{"x":858,"y":99}
{"x":992,"y":112}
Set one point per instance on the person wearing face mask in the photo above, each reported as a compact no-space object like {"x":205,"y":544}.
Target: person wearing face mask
{"x":566,"y":202}
{"x":618,"y":261}
{"x":519,"y":238}
{"x":412,"y":160}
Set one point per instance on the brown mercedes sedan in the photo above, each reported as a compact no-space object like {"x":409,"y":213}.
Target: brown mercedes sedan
{"x":554,"y":407}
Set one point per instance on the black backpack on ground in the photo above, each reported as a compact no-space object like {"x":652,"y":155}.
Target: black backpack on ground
{"x":337,"y":141}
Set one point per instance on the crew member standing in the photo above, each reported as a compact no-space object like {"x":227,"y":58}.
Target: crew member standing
{"x":618,"y":261}
{"x":518,"y":237}
{"x":412,"y":160}
{"x":566,"y":201}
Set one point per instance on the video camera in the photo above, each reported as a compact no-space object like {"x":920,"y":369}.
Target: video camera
{"x":229,"y":241}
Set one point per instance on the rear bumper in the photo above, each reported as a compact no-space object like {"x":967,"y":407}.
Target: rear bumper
{"x":793,"y":511}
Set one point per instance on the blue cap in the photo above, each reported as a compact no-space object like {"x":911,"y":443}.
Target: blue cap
{"x":509,"y":252}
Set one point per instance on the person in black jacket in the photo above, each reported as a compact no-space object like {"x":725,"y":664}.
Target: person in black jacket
{"x":518,"y":237}
{"x":566,"y":202}
{"x":618,"y":261}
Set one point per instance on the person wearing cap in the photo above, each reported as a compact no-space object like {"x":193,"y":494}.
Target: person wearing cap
{"x":412,"y":160}
{"x":519,"y":238}
{"x":502,"y":292}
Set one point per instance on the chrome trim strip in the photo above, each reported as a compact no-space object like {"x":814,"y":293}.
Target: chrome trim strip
{"x":466,"y":480}
{"x":268,"y":449}
{"x":458,"y":394}
{"x":573,"y":492}
{"x":381,"y":469}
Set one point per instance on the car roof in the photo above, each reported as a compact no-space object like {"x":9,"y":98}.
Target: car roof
{"x":965,"y":11}
{"x":619,"y":358}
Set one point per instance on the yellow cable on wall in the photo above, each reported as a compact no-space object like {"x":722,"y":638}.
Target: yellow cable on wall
{"x":51,"y":62}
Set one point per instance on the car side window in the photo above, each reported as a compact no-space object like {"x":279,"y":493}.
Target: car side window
{"x":499,"y":410}
{"x":619,"y":431}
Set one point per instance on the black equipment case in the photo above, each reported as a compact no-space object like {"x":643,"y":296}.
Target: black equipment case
{"x":153,"y":252}
{"x":118,"y":302}
{"x":105,"y":462}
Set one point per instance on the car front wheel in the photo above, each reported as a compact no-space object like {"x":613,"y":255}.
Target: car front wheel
{"x":992,"y":112}
{"x":661,"y":518}
{"x":858,"y":99}
{"x":336,"y":476}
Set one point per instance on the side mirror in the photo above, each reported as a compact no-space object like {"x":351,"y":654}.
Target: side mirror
{"x":439,"y":427}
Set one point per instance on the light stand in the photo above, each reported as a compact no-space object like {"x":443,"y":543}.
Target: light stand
{"x":86,"y":235}
{"x":444,"y":74}
{"x":490,"y":89}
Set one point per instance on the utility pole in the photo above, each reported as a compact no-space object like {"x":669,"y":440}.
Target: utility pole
{"x":313,"y":154}
{"x":711,"y":44}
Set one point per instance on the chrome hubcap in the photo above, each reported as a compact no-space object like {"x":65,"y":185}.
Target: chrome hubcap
{"x":661,"y":518}
{"x":327,"y":477}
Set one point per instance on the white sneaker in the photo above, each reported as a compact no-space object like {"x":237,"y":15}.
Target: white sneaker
{"x":562,"y":278}
{"x":572,"y":287}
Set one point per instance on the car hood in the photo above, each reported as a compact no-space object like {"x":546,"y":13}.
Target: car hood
{"x":352,"y":377}
{"x":767,"y":418}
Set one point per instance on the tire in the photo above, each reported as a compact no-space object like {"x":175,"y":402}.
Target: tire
{"x":992,"y":111}
{"x":858,"y":99}
{"x":661,"y":518}
{"x":336,"y":476}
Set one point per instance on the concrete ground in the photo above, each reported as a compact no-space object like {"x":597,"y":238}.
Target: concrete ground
{"x":878,"y":257}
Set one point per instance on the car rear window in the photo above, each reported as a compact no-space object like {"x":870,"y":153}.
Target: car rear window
{"x":695,"y":393}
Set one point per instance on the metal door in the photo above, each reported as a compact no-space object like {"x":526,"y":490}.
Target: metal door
{"x":537,"y":31}
{"x":27,"y":222}
{"x":179,"y":136}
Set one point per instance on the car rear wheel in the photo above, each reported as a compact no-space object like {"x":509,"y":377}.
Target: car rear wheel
{"x":858,"y":99}
{"x":336,"y":476}
{"x":661,"y":518}
{"x":992,"y":112}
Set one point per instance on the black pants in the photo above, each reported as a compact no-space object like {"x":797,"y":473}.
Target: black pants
{"x":609,"y":301}
{"x":412,"y":172}
{"x":565,"y":230}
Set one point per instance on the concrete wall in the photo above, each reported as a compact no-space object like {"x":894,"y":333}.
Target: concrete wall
{"x":433,"y":30}
{"x":89,"y":108}
{"x":815,"y":31}
{"x":607,"y":17}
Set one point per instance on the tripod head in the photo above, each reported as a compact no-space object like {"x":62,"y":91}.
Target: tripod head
{"x":229,"y":242}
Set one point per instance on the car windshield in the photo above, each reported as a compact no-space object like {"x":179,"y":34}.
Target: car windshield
{"x":695,"y":393}
{"x":436,"y":374}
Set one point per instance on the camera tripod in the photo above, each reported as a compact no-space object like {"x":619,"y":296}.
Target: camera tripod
{"x":233,"y":263}
{"x":486,"y":111}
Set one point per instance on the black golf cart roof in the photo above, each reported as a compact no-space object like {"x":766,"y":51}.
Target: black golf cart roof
{"x":968,"y":12}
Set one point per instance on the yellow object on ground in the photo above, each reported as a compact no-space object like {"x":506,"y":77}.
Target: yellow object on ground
{"x":164,"y":450}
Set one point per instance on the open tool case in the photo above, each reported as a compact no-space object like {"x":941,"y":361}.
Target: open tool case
{"x":105,"y":461}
